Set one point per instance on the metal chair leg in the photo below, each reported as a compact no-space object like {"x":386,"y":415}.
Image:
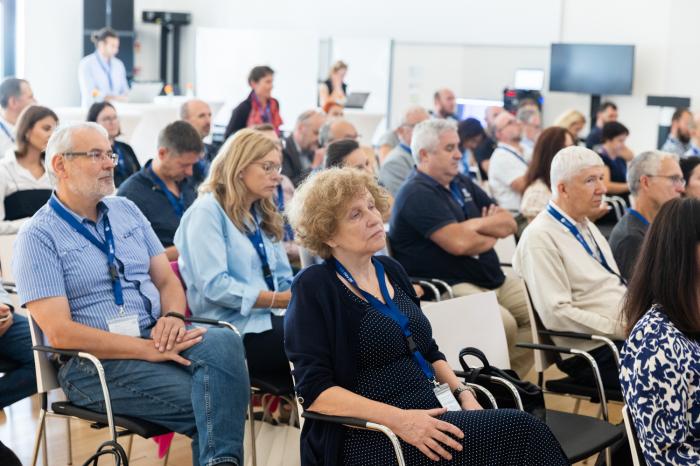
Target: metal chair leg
{"x":577,"y":405}
{"x":167,"y":455}
{"x":70,"y":442}
{"x":39,"y":435}
{"x":129,"y":443}
{"x":251,"y":425}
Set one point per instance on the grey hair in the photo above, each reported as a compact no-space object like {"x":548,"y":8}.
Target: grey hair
{"x":526,"y":114}
{"x":62,"y":138}
{"x":306,"y":115}
{"x":646,"y":163}
{"x":568,"y":162}
{"x":410,"y":111}
{"x":426,"y":135}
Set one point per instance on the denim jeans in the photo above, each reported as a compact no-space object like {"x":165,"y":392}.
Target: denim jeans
{"x":206,"y":401}
{"x":16,"y":362}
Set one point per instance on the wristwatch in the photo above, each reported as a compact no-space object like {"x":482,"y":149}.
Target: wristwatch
{"x":463,"y":388}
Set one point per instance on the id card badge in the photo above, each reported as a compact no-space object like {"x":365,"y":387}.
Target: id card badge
{"x":446,"y":398}
{"x":127,"y":325}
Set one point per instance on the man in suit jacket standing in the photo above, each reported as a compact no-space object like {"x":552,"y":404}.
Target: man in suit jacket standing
{"x":300,"y":147}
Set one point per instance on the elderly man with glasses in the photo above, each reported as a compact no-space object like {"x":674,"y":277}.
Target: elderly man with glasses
{"x":94,"y":276}
{"x":654,"y":178}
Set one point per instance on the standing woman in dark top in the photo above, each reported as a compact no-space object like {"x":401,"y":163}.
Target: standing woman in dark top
{"x":104,"y":114}
{"x":348,"y":330}
{"x":259,"y":107}
{"x":334,"y":88}
{"x":25,"y":184}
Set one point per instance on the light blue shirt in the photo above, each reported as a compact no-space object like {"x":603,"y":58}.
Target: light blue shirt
{"x":52,"y":259}
{"x":106,"y":78}
{"x":221,"y":269}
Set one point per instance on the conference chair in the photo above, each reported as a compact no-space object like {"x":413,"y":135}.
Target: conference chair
{"x":566,"y":386}
{"x":437,"y":287}
{"x":505,"y":250}
{"x":635,"y":449}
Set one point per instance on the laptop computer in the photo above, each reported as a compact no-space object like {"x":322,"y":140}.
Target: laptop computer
{"x":144,"y":92}
{"x":356,"y":99}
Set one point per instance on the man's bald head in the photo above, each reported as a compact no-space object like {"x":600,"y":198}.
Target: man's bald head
{"x":411,"y":118}
{"x":197,"y":113}
{"x":337,"y":129}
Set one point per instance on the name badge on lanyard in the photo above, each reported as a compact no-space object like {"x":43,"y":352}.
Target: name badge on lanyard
{"x":124,"y":324}
{"x":389,"y":309}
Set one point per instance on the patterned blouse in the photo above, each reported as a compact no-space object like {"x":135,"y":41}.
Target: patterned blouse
{"x":535,"y":199}
{"x":660,"y":378}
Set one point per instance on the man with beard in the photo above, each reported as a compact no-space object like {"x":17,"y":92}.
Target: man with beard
{"x":94,"y":276}
{"x":299,"y":154}
{"x":508,"y":163}
{"x":678,"y":140}
{"x":445,"y":104}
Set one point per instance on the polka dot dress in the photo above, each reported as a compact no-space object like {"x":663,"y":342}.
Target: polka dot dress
{"x":389,"y":374}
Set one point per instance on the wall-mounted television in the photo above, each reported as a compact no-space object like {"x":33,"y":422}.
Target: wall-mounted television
{"x":592,"y":68}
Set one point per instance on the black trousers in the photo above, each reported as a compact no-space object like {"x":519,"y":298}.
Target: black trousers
{"x":265,"y":352}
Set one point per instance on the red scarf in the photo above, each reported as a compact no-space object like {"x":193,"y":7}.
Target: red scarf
{"x":259,"y":115}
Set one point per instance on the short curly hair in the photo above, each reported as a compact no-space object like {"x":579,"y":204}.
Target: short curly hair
{"x":321,"y":201}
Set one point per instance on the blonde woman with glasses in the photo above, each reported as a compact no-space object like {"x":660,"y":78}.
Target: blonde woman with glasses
{"x":232,"y":257}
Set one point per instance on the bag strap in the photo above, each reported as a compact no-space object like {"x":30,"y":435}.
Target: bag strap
{"x":477,"y":353}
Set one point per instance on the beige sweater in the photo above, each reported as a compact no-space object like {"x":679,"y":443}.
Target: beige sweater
{"x":571,"y":290}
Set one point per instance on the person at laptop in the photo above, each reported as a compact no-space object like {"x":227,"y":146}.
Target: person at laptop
{"x":101,"y":74}
{"x":104,"y":114}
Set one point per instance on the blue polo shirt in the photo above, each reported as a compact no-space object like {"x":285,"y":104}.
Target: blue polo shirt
{"x":423,"y":206}
{"x":142,"y":190}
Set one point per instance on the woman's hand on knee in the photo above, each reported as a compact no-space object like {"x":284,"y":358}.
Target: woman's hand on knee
{"x":430,"y":435}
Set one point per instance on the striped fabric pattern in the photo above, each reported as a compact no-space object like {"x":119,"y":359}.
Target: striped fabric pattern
{"x":52,"y":259}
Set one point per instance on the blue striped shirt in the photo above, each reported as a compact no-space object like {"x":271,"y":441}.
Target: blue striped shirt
{"x":52,"y":259}
{"x":100,"y":78}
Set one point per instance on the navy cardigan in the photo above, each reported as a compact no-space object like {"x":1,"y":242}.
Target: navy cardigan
{"x":321,"y":329}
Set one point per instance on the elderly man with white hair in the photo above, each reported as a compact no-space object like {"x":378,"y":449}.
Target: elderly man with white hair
{"x":569,"y":268}
{"x":94,"y":276}
{"x":399,"y":162}
{"x":444,"y":226}
{"x":654,"y":177}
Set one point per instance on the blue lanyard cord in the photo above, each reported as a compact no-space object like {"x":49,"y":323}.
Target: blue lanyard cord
{"x":7,"y":131}
{"x":107,"y":247}
{"x":121,"y":160}
{"x":177,"y":202}
{"x":639,"y":216}
{"x":267,"y":113}
{"x":579,"y":237}
{"x":391,"y":310}
{"x":405,"y":147}
{"x":518,"y":156}
{"x":107,"y":68}
{"x":288,"y":232}
{"x":256,"y":238}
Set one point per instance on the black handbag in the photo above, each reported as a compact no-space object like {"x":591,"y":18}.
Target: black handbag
{"x":530,"y":394}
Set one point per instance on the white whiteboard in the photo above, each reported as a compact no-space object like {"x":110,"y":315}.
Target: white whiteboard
{"x":369,"y":63}
{"x":224,"y":57}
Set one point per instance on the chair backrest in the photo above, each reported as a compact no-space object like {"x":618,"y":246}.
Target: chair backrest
{"x":6,"y":244}
{"x":637,"y":456}
{"x":473,"y":320}
{"x":46,"y":373}
{"x":543,"y":359}
{"x":505,"y":250}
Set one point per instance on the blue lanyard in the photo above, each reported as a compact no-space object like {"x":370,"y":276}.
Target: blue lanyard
{"x":517,"y":156}
{"x":389,"y":309}
{"x":694,"y":149}
{"x":177,"y":203}
{"x":579,"y":237}
{"x":107,"y":68}
{"x":256,"y":238}
{"x":288,"y":232}
{"x":639,"y":216}
{"x":405,"y":147}
{"x":267,"y":113}
{"x":107,"y":247}
{"x":461,"y":195}
{"x":464,"y":162}
{"x":6,"y":130}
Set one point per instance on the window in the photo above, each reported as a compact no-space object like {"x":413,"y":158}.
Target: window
{"x":7,"y":37}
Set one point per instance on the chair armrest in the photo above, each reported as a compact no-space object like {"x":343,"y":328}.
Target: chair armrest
{"x":484,"y":390}
{"x":586,"y":336}
{"x":428,"y":285}
{"x":587,"y":357}
{"x":204,"y":321}
{"x":360,"y":424}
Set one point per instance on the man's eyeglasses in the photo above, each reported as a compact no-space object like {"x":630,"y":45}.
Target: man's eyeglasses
{"x":95,"y":155}
{"x":677,"y":180}
{"x":270,"y":167}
